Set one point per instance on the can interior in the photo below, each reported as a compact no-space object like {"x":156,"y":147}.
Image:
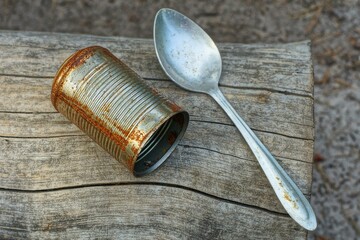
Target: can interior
{"x":160,"y":145}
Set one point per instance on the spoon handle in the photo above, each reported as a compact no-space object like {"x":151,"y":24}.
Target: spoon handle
{"x":286,"y":190}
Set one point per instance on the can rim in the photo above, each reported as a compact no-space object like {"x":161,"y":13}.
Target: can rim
{"x":166,"y":155}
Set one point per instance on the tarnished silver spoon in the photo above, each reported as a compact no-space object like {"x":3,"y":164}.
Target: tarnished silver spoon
{"x":191,"y":59}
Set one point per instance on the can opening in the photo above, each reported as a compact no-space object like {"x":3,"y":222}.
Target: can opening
{"x":161,"y":143}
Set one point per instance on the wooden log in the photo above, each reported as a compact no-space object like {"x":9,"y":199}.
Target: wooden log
{"x":48,"y":165}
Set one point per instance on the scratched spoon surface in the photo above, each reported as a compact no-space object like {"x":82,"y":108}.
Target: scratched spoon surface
{"x":192,"y":60}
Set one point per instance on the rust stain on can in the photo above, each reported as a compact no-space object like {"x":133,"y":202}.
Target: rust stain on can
{"x":172,"y":137}
{"x":70,"y":64}
{"x":106,"y":108}
{"x":117,"y":109}
{"x":87,"y":114}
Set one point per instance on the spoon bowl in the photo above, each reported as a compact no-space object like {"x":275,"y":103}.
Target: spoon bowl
{"x":186,"y":52}
{"x":191,"y":59}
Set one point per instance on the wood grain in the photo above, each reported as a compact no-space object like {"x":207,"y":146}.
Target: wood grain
{"x":44,"y":158}
{"x":136,"y":212}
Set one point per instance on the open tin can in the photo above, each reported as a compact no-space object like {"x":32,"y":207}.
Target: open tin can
{"x":117,"y":109}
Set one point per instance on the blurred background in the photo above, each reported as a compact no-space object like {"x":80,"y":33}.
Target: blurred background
{"x":333,"y":27}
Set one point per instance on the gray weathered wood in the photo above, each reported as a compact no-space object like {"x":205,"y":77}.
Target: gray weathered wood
{"x":154,"y":212}
{"x":211,"y":186}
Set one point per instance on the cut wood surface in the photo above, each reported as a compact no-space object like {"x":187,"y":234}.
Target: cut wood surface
{"x":55,"y":181}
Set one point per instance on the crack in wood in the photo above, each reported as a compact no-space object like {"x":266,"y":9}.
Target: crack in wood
{"x":146,"y":183}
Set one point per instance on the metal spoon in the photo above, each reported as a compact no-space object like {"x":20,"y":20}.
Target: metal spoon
{"x":191,"y":59}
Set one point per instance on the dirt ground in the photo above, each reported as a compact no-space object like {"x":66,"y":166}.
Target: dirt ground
{"x":333,"y":27}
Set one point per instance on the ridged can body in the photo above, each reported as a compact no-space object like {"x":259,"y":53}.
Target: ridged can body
{"x":117,"y":109}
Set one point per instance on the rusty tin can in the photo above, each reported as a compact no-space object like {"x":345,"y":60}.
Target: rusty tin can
{"x":117,"y":109}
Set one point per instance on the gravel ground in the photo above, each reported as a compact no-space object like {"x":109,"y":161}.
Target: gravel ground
{"x":333,"y":27}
